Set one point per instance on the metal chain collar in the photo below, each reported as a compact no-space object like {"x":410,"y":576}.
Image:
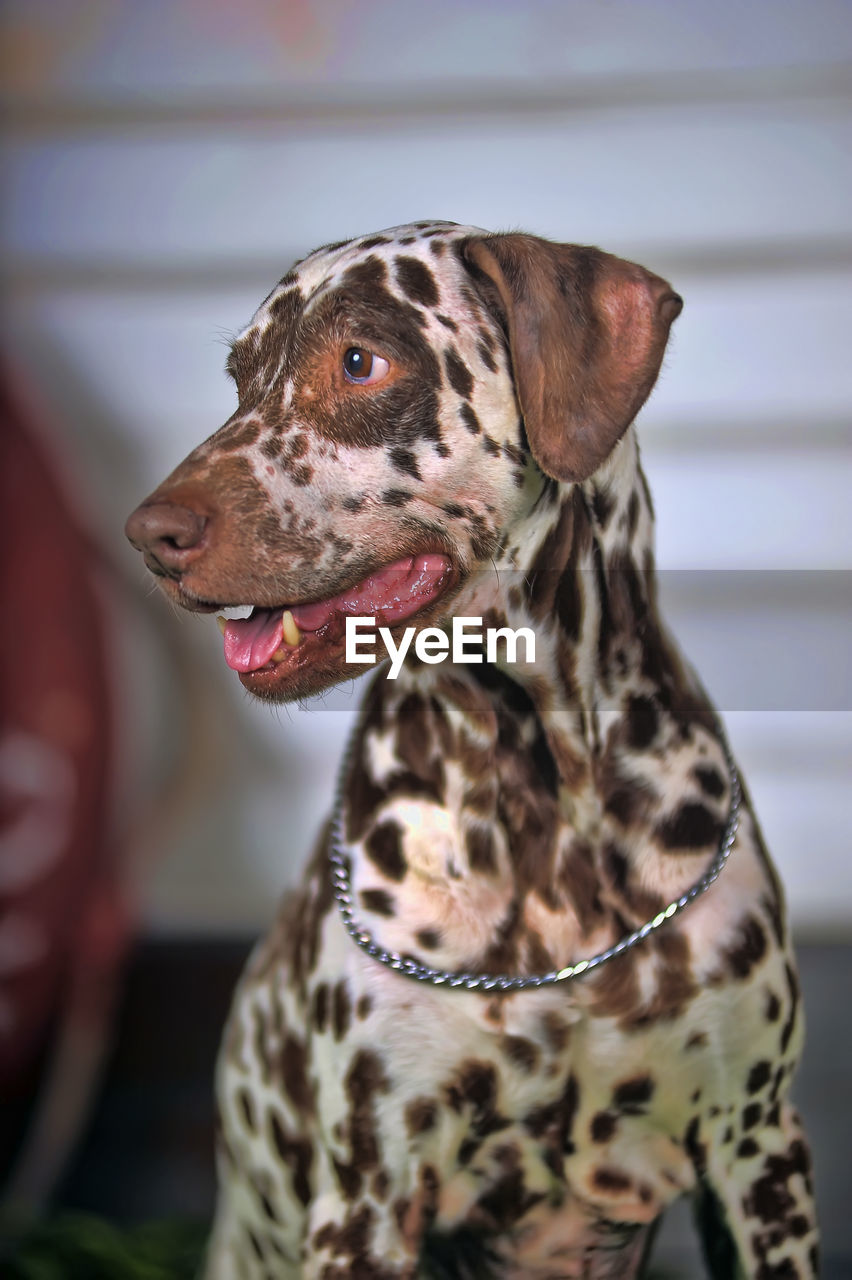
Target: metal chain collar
{"x":412,"y":968}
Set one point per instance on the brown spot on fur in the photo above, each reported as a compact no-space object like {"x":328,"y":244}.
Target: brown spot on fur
{"x":473,"y":1088}
{"x":790,"y":1023}
{"x":748,"y":949}
{"x":238,"y":437}
{"x":631,"y":1096}
{"x":692,"y":827}
{"x":579,"y":882}
{"x":523,"y":1052}
{"x":294,"y":1075}
{"x":348,"y":1177}
{"x":603,"y":505}
{"x":342,"y":1009}
{"x":642,"y":722}
{"x":710,"y":780}
{"x":507,"y":1200}
{"x":625,"y":800}
{"x":352,"y":1241}
{"x":481,"y":854}
{"x":632,"y":515}
{"x":405,"y":461}
{"x":365,"y":1078}
{"x":378,"y":901}
{"x":470,"y":419}
{"x":611,"y":1180}
{"x":759,"y":1077}
{"x":417,"y":281}
{"x":603,"y":1126}
{"x":557,"y":1032}
{"x":384,"y":848}
{"x":769,"y":1198}
{"x":420,"y":1116}
{"x":417,"y":724}
{"x":474,"y":1083}
{"x":363,"y":1007}
{"x":487,"y":358}
{"x":319,"y":1016}
{"x":458,"y":373}
{"x":396,"y":497}
{"x":296,"y":1153}
{"x":555,"y":1120}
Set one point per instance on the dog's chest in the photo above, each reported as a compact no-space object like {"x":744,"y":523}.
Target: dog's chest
{"x":389,"y":1075}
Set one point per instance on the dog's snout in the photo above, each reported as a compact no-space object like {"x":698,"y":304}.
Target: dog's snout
{"x":168,"y":534}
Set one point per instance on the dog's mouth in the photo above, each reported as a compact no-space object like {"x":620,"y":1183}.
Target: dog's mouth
{"x":277,"y":641}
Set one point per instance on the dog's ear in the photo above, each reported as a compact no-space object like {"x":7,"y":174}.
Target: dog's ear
{"x":587,"y":332}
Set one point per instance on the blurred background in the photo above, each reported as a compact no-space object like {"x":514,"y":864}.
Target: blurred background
{"x":163,"y":164}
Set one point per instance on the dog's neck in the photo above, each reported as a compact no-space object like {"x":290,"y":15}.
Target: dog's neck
{"x":578,"y":571}
{"x":510,"y":788}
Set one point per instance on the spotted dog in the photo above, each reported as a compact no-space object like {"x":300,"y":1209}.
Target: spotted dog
{"x":501,"y":1027}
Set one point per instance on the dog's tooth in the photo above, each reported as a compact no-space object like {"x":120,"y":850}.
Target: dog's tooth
{"x":238,"y":612}
{"x":279,"y":655}
{"x":221,"y":622}
{"x":292,"y":634}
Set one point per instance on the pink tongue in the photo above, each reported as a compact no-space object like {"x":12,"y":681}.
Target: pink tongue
{"x":250,"y":644}
{"x":395,"y":591}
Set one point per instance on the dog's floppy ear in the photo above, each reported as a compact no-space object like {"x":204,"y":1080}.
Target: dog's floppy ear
{"x":587,"y":332}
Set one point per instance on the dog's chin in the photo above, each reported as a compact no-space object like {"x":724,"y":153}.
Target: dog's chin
{"x":290,"y":682}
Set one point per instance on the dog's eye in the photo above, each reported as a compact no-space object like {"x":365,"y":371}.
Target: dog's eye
{"x":363,"y":366}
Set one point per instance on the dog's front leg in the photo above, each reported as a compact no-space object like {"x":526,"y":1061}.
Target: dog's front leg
{"x":377,"y":1235}
{"x":754,"y":1204}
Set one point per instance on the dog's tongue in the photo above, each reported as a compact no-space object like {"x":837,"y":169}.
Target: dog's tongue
{"x":250,"y":643}
{"x":395,"y":591}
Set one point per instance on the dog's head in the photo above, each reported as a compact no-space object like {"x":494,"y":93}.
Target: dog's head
{"x":402,"y":398}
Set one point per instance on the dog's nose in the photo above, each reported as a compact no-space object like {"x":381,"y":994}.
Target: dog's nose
{"x":168,"y":534}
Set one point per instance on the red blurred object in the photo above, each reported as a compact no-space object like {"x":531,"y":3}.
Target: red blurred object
{"x":63,"y":925}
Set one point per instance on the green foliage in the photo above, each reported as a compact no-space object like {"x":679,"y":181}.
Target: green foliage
{"x":79,"y":1247}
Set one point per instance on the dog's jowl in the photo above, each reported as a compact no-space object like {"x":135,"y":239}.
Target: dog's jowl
{"x":538,"y":982}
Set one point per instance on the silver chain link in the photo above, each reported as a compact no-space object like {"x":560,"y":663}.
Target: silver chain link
{"x":412,"y":968}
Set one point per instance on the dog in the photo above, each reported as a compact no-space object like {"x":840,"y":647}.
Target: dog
{"x":537,"y":983}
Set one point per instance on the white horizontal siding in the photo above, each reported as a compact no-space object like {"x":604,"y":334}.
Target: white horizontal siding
{"x":694,"y":173}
